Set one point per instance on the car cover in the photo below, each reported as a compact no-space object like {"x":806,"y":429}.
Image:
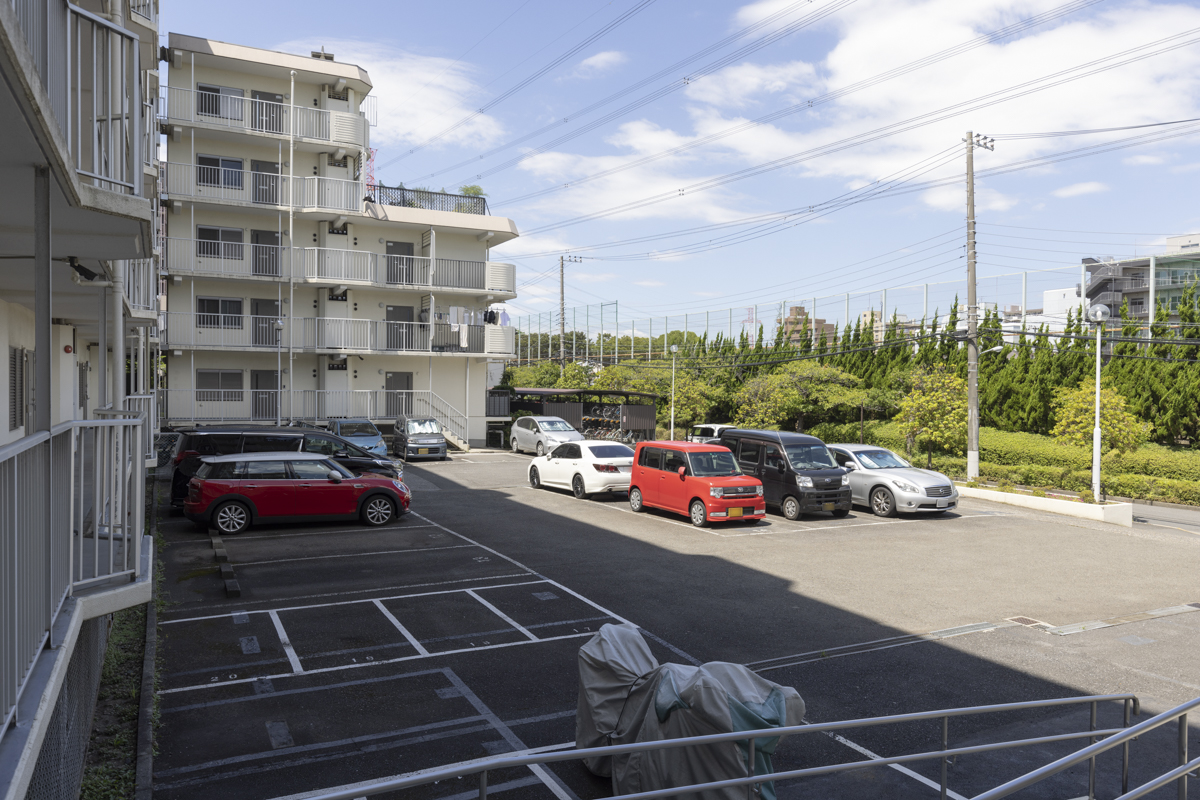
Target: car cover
{"x":626,"y":696}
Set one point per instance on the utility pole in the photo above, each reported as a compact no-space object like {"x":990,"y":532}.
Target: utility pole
{"x":973,"y":141}
{"x":562,"y":313}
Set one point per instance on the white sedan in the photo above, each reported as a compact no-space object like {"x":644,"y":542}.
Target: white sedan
{"x":586,"y":468}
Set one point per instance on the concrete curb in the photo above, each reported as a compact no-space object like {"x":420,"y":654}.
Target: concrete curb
{"x":1114,"y":513}
{"x":144,"y":780}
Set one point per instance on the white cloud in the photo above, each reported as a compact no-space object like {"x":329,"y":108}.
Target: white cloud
{"x":648,"y":283}
{"x":752,"y":13}
{"x":592,"y":277}
{"x":594,"y":66}
{"x":418,"y":96}
{"x":1143,"y":161}
{"x":1077,"y":189}
{"x":737,"y":85}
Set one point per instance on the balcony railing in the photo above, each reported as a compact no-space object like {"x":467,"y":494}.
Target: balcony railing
{"x":263,"y":116}
{"x":89,"y":535}
{"x":141,"y":284}
{"x":321,"y":264}
{"x":89,"y":68}
{"x":423,"y":198}
{"x":146,"y":9}
{"x":178,"y":405}
{"x":315,"y":334}
{"x":261,"y":188}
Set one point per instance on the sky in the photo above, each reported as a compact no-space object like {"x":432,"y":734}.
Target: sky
{"x":594,"y":123}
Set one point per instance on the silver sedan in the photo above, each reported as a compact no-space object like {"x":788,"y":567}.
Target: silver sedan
{"x":889,"y":485}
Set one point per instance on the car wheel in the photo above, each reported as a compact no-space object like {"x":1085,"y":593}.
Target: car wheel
{"x":377,"y":511}
{"x":540,"y":449}
{"x":515,"y":449}
{"x":635,"y":500}
{"x":790,"y":508}
{"x":841,"y":512}
{"x":882,"y":502}
{"x":535,"y":480}
{"x":698,"y":514}
{"x":578,"y":488}
{"x":231,"y":517}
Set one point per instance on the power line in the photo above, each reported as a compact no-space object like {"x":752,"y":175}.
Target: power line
{"x":1016,"y":91}
{"x":658,"y":93}
{"x":774,"y":116}
{"x":614,"y":24}
{"x":1050,"y":134}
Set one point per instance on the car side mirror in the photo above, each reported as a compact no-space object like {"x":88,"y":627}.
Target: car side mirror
{"x":340,"y":454}
{"x":682,"y":472}
{"x":335,"y":477}
{"x":849,"y":467}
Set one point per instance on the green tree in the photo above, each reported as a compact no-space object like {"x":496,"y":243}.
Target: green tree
{"x":933,"y":415}
{"x":574,"y":376}
{"x":796,"y":394}
{"x":1075,"y":415}
{"x":472,"y":190}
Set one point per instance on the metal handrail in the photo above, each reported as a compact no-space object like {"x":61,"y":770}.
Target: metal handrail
{"x":482,"y":767}
{"x":1090,"y":752}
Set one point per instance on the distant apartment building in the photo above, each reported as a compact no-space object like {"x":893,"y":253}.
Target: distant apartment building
{"x":793,"y":325}
{"x":1056,"y":303}
{"x":299,"y":288}
{"x":78,"y":332}
{"x":1145,"y":281}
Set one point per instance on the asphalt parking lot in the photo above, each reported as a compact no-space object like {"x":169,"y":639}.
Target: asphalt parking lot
{"x":355,"y":654}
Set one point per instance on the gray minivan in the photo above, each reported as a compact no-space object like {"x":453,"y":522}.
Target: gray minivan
{"x":418,"y":437}
{"x":798,"y":473}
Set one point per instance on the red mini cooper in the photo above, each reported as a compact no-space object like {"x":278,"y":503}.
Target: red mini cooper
{"x":702,"y":481}
{"x":232,"y":492}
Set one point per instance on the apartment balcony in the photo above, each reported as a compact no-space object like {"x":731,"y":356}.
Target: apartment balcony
{"x":140,"y":281}
{"x":332,"y":335}
{"x":323,"y":265}
{"x":257,"y":405}
{"x":73,"y":53}
{"x":263,"y":189}
{"x":211,"y":110}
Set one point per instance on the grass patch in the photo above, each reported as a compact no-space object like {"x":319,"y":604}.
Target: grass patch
{"x":109,"y":769}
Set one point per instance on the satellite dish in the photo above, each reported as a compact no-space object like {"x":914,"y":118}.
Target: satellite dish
{"x":1099,"y":313}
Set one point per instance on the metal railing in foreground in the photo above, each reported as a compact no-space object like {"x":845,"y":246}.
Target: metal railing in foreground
{"x":81,"y":530}
{"x":1112,"y":737}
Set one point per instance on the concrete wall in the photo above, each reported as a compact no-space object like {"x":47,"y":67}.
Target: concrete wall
{"x":17,"y":330}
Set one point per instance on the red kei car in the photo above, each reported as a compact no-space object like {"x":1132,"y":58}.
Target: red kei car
{"x":232,"y":492}
{"x":702,"y":481}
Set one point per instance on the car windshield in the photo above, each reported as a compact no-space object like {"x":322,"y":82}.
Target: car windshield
{"x":424,"y":426}
{"x":611,"y":451}
{"x":809,"y":456}
{"x":714,"y":465}
{"x":358,"y":429}
{"x":881,"y":459}
{"x":555,"y":425}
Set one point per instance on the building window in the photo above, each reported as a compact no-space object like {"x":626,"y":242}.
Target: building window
{"x":218,"y":171}
{"x":16,"y":388}
{"x":219,"y":101}
{"x":218,"y":312}
{"x":218,"y":385}
{"x":219,"y":242}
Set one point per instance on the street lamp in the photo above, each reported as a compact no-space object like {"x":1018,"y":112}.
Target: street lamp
{"x":278,"y":372}
{"x":1097,"y":314}
{"x":674,"y":350}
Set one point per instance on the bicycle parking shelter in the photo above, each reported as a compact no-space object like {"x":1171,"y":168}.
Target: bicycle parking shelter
{"x":592,"y":408}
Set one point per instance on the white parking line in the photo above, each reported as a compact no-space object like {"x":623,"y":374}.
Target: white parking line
{"x":503,"y":616}
{"x":352,"y":555}
{"x":293,"y":659}
{"x":241,"y":538}
{"x":403,"y":630}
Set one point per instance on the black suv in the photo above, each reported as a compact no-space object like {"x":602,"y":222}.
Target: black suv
{"x":798,"y":473}
{"x":219,"y":441}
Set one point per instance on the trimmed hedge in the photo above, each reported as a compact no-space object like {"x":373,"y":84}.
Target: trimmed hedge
{"x":1029,"y":451}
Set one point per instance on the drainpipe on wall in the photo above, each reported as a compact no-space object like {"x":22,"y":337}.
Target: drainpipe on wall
{"x":291,"y":231}
{"x":118,"y":342}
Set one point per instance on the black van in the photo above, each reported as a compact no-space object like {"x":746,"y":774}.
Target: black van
{"x":798,"y":473}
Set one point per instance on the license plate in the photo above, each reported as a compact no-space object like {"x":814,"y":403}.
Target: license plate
{"x":423,"y":451}
{"x":735,"y":512}
{"x":827,"y":506}
{"x":943,"y":503}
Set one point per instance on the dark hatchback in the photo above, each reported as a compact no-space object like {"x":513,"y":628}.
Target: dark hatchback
{"x":798,"y":473}
{"x":194,"y":445}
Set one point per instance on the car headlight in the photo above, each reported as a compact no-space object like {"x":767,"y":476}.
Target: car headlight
{"x":401,"y":487}
{"x":907,"y":487}
{"x":758,"y":490}
{"x":846,"y":479}
{"x":716,"y":491}
{"x":804,"y":482}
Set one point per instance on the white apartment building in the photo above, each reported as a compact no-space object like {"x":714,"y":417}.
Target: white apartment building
{"x":298,"y":289}
{"x":78,"y":332}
